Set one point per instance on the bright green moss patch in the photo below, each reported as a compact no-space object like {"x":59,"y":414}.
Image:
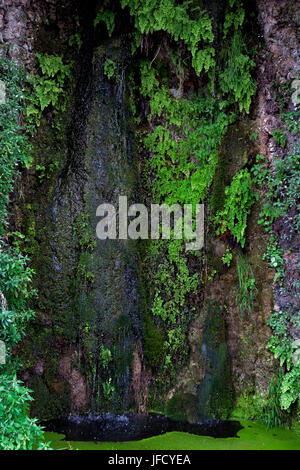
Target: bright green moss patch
{"x":248,"y":405}
{"x":177,"y":406}
{"x":153,"y":343}
{"x":253,"y":437}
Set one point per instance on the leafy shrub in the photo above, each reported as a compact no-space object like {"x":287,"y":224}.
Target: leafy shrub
{"x":14,"y":145}
{"x":248,"y":405}
{"x":17,"y":429}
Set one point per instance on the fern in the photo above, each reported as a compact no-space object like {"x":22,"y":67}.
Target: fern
{"x":108,"y":18}
{"x":236,"y":80}
{"x":167,"y":15}
{"x":239,"y":198}
{"x":290,"y":388}
{"x":48,"y":89}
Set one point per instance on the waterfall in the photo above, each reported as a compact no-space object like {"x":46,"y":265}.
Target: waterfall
{"x":92,"y":285}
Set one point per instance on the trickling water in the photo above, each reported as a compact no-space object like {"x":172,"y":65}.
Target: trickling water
{"x":113,"y":296}
{"x":92,"y":285}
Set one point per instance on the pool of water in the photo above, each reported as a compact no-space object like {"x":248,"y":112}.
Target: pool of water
{"x":133,"y":427}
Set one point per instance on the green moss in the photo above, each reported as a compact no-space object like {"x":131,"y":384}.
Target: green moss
{"x":218,"y":191}
{"x":215,"y":396}
{"x":214,"y":331}
{"x":248,"y":405}
{"x":221,"y":399}
{"x":215,"y":393}
{"x":179,"y":406}
{"x":295,"y":422}
{"x":123,"y":321}
{"x":123,"y":353}
{"x":84,"y":233}
{"x":153,"y":343}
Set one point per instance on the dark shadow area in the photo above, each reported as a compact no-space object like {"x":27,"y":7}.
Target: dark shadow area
{"x":132,"y":427}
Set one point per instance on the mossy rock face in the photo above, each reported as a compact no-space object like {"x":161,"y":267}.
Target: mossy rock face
{"x":181,"y":407}
{"x":204,"y":388}
{"x":49,"y":401}
{"x":153,"y":343}
{"x":215,"y":393}
{"x":89,"y":288}
{"x":248,"y":405}
{"x":112,"y":307}
{"x":234,"y":154}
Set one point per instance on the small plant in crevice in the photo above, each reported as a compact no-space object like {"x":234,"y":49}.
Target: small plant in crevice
{"x":279,"y":137}
{"x":211,"y":275}
{"x":44,"y":172}
{"x":84,"y":233}
{"x":108,"y":388}
{"x":291,"y":119}
{"x":272,"y":414}
{"x":227,"y":257}
{"x":106,"y":16}
{"x":254,"y":135}
{"x":105,"y":356}
{"x":247,"y":289}
{"x":75,"y":41}
{"x":109,"y":68}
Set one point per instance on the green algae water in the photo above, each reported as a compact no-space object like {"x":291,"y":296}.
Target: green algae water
{"x":253,"y":436}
